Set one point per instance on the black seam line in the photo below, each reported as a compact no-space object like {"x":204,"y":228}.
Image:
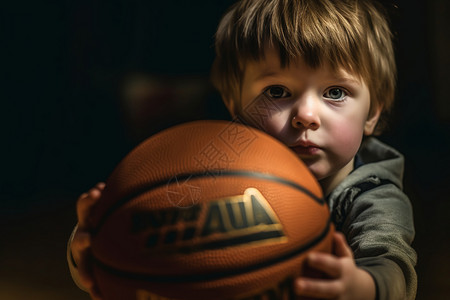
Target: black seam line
{"x":213,"y":276}
{"x":219,"y":173}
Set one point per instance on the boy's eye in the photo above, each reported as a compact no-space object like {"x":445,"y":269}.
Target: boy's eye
{"x":335,"y":94}
{"x":277,"y":92}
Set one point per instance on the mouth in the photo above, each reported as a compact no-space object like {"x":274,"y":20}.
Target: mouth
{"x":306,"y":148}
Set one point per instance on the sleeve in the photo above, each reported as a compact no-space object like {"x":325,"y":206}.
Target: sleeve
{"x":70,"y":261}
{"x":379,"y":228}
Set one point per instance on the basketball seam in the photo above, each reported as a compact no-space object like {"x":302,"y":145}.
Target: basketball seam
{"x":219,"y":173}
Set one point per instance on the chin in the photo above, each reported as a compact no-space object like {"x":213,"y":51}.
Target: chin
{"x":315,"y":169}
{"x":319,"y":175}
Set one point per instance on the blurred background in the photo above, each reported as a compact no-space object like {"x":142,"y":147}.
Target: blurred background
{"x":83,"y":82}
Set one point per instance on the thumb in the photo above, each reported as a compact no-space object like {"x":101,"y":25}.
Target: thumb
{"x":341,"y":247}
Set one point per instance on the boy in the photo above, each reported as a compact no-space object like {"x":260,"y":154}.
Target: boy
{"x":317,"y":75}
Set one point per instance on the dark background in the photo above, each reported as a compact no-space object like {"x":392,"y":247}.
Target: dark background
{"x":84,"y":81}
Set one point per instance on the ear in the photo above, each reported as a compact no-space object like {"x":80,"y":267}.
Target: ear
{"x":372,"y":119}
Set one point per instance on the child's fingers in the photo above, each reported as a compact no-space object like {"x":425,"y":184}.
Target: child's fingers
{"x":100,"y":186}
{"x":316,"y":288}
{"x":82,"y":196}
{"x":326,"y":263}
{"x":83,"y":208}
{"x":341,"y":248}
{"x":95,"y":193}
{"x":85,"y":203}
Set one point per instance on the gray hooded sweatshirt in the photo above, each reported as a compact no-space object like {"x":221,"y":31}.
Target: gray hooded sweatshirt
{"x":370,"y":208}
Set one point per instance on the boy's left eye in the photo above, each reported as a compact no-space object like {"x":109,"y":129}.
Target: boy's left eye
{"x":335,"y":94}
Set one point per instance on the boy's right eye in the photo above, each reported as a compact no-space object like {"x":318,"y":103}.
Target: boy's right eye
{"x":276,"y":92}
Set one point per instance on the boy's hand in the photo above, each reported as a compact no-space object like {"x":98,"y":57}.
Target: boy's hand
{"x":81,"y":242}
{"x":346,"y":282}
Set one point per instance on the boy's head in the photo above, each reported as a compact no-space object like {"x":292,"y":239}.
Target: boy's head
{"x":353,"y":35}
{"x":316,"y":74}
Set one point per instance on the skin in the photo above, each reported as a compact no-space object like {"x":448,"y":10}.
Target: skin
{"x":321,"y":115}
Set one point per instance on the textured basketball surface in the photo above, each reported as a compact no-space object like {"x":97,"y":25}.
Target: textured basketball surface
{"x":207,"y":210}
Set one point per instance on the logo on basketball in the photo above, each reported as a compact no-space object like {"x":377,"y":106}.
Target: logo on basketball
{"x":226,"y":222}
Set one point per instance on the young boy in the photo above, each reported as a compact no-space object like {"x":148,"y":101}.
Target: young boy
{"x":317,"y":75}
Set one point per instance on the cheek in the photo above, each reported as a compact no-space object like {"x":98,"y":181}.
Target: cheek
{"x":279,"y":125}
{"x":346,"y":137}
{"x":267,"y":116}
{"x":275,"y":125}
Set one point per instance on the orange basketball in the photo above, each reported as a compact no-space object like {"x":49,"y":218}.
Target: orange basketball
{"x":207,"y":210}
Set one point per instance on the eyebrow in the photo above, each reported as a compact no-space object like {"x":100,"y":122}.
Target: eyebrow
{"x":347,"y":80}
{"x":337,"y":78}
{"x":345,"y":77}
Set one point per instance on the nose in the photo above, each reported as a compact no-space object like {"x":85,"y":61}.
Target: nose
{"x":306,"y":113}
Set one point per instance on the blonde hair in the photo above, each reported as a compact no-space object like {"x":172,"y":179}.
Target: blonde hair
{"x":349,"y":34}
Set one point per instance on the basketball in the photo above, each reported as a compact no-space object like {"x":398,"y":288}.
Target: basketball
{"x":207,"y":210}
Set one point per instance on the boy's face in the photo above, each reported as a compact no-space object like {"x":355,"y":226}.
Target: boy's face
{"x":320,"y":115}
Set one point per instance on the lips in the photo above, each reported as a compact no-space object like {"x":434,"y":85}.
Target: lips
{"x":306,"y":148}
